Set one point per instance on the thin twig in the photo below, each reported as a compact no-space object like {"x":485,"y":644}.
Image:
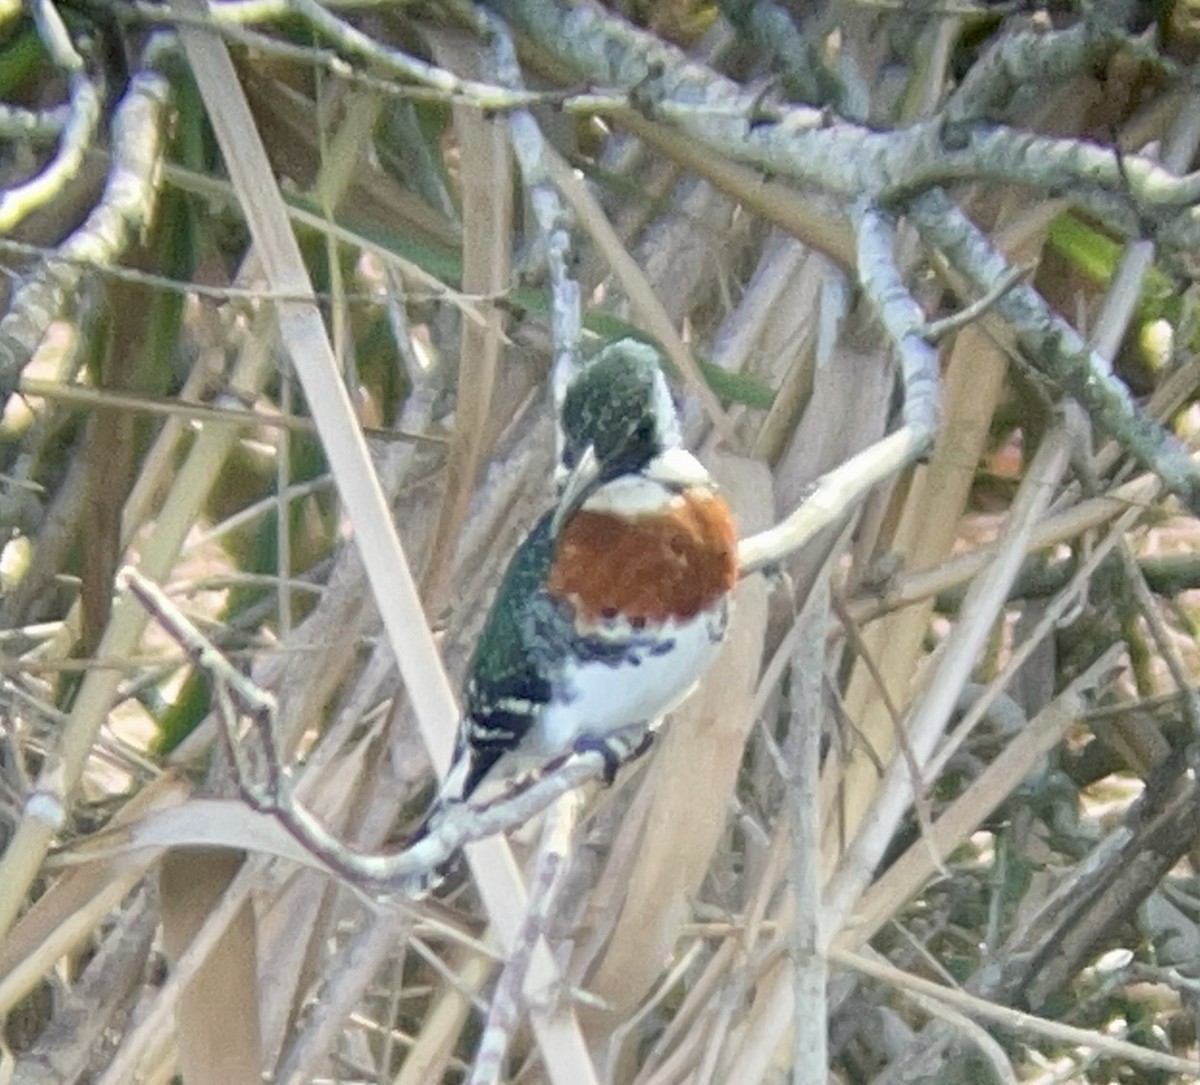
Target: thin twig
{"x":1015,"y":1020}
{"x":863,"y":650}
{"x":803,"y":779}
{"x":937,"y":330}
{"x":928,"y":719}
{"x":533,"y":153}
{"x":504,"y":1014}
{"x":409,"y":872}
{"x":360,"y":962}
{"x":1056,"y":348}
{"x":908,"y":873}
{"x":85,"y":396}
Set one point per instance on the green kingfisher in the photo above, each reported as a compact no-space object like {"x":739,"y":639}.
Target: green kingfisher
{"x":617,"y":600}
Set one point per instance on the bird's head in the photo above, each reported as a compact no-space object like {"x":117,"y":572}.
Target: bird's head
{"x":617,"y":419}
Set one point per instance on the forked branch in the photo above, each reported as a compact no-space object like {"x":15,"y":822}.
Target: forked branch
{"x":409,"y":872}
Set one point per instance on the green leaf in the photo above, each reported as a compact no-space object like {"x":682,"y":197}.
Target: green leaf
{"x":1095,"y":254}
{"x":19,"y":59}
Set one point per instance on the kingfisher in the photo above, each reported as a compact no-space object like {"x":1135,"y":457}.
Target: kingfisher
{"x":615,"y":603}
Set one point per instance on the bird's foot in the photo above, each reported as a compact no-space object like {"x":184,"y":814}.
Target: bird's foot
{"x":616,"y":749}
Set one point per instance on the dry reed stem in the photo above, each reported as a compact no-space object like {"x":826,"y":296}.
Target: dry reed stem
{"x":230,"y":1024}
{"x":971,"y":389}
{"x":68,"y":913}
{"x":688,"y":789}
{"x":345,"y":146}
{"x":443,"y":1022}
{"x":486,"y":178}
{"x":140,"y":1039}
{"x":923,"y":584}
{"x":972,"y":385}
{"x":1025,"y":1024}
{"x":903,"y":879}
{"x":643,"y":298}
{"x":387,"y":569}
{"x":316,"y":1037}
{"x":926,"y":722}
{"x":810,"y":1026}
{"x":101,"y":996}
{"x":157,"y":555}
{"x":783,"y":332}
{"x":417,"y":279}
{"x":295,"y":933}
{"x":772,"y":1012}
{"x":218,"y":1013}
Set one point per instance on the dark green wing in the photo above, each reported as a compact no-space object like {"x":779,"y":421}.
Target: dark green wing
{"x":508,"y":683}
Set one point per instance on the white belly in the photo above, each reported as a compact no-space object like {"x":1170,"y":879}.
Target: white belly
{"x":599,"y":698}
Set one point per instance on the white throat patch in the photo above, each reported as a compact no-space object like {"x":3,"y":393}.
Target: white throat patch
{"x":653,"y":490}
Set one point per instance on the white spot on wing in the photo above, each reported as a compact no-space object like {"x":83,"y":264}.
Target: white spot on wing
{"x":605,"y":699}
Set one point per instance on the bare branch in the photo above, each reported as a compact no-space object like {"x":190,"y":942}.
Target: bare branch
{"x":504,"y":1014}
{"x":1028,"y":61}
{"x":77,"y":134}
{"x":530,"y":150}
{"x":126,"y":206}
{"x":901,"y":315}
{"x":839,"y":491}
{"x":1055,"y":348}
{"x":938,"y":330}
{"x":410,"y":872}
{"x":843,"y":158}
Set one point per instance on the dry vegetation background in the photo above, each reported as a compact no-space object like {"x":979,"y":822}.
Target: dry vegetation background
{"x":1021,"y":604}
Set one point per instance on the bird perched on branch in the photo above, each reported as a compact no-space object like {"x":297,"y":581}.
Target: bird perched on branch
{"x":614,"y":604}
